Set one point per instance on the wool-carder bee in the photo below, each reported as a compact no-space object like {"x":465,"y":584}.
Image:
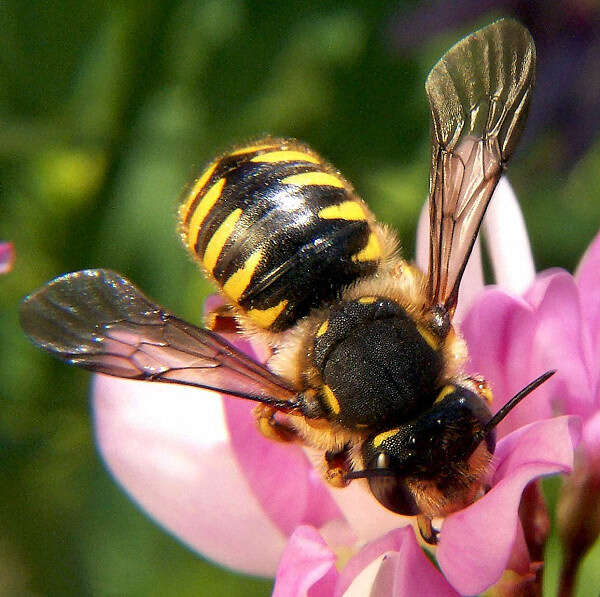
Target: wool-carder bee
{"x":367,"y":366}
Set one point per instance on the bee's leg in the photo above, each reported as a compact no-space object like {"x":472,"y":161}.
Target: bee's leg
{"x":272,"y":428}
{"x":222,"y":320}
{"x":429,"y":534}
{"x":337,"y":467}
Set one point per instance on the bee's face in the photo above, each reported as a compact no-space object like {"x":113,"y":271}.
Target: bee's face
{"x":435,"y":449}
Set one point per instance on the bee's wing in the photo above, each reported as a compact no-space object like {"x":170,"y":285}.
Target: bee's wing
{"x":479,"y":96}
{"x":98,"y":320}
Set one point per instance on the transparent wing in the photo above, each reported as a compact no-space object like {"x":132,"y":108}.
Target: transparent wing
{"x":100,"y":321}
{"x":479,"y":96}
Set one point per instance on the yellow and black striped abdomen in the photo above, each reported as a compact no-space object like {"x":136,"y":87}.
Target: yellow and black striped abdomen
{"x":279,"y":230}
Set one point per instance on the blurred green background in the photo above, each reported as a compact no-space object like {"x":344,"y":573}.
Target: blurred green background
{"x":108,"y":109}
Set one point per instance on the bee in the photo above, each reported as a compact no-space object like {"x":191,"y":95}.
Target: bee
{"x":367,"y":366}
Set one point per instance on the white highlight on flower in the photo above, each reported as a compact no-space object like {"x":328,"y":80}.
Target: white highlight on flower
{"x":507,"y":240}
{"x":364,"y":580}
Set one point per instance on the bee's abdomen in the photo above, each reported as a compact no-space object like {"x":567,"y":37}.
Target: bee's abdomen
{"x":279,"y":231}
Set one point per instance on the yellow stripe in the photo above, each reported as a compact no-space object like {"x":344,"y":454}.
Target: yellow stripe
{"x":445,"y":391}
{"x":314,"y":178}
{"x":348,"y":210}
{"x":366,"y":300}
{"x":379,"y":439}
{"x":371,"y":252}
{"x":238,"y":282}
{"x":285,"y":156}
{"x":323,"y":328}
{"x":428,"y":336}
{"x":196,"y":189}
{"x":265,"y":317}
{"x":251,"y":149}
{"x":219,"y":238}
{"x":201,"y":211}
{"x":331,"y":400}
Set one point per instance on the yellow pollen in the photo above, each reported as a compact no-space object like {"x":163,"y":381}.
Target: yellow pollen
{"x":314,"y":178}
{"x":367,"y":300}
{"x":285,"y":156}
{"x":342,"y":556}
{"x":331,"y":400}
{"x":348,"y":210}
{"x":265,"y":317}
{"x":379,"y":439}
{"x":323,"y":328}
{"x":219,"y":238}
{"x":371,"y":252}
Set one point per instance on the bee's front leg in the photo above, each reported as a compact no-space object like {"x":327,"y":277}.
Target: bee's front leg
{"x":429,"y":534}
{"x":337,"y":466}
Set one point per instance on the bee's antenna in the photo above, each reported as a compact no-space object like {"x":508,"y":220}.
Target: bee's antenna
{"x":510,"y":405}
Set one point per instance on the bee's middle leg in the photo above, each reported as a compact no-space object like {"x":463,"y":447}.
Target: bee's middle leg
{"x":271,"y":427}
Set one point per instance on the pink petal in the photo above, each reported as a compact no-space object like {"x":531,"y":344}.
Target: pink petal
{"x":392,"y":566}
{"x":212,"y":302}
{"x":542,"y":332}
{"x":591,"y":441}
{"x":471,"y":284}
{"x":498,"y":330}
{"x":7,"y":257}
{"x":476,"y":543}
{"x":367,"y":518}
{"x":507,"y":241}
{"x":302,"y":498}
{"x":286,"y":484}
{"x":588,"y":282}
{"x":169,"y":448}
{"x":422,"y":240}
{"x":559,"y":343}
{"x":307,"y":567}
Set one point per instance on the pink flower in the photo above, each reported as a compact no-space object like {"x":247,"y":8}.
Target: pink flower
{"x":554,"y":325}
{"x":7,"y":257}
{"x":392,"y":565}
{"x":198,"y":466}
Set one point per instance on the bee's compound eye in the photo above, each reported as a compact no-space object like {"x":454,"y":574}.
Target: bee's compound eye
{"x":393,"y":493}
{"x":388,"y":456}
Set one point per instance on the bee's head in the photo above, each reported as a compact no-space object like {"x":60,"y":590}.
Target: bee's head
{"x":443,"y":452}
{"x":434,"y":449}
